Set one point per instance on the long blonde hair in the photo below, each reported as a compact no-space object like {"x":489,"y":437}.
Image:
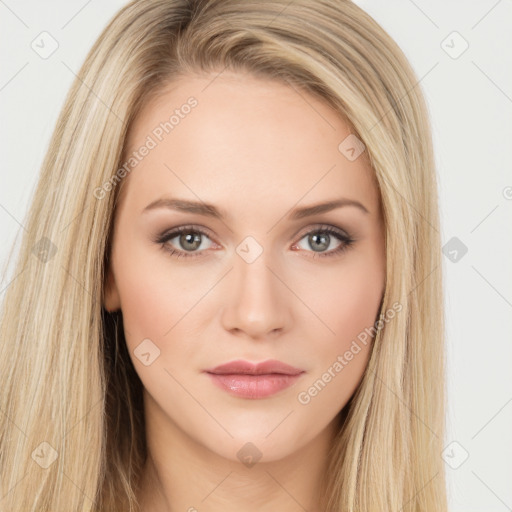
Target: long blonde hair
{"x":72,"y":432}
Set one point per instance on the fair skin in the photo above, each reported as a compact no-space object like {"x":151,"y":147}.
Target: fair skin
{"x":256,"y":150}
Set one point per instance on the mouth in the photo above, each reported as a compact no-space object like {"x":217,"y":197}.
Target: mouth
{"x":241,"y":367}
{"x":249,"y":380}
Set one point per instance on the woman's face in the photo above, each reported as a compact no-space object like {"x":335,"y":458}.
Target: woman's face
{"x":253,"y":276}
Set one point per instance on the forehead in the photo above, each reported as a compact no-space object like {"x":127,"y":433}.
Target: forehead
{"x":241,"y":140}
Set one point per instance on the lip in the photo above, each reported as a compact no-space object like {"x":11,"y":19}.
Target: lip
{"x":254,"y":380}
{"x":241,"y":367}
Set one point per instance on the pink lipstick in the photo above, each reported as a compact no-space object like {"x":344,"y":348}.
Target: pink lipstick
{"x":249,"y":380}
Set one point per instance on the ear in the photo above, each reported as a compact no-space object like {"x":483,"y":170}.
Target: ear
{"x":111,"y":300}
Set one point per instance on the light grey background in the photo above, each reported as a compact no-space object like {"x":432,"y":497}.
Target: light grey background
{"x":470,"y":100}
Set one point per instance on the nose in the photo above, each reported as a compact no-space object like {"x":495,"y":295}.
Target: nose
{"x":258,"y":303}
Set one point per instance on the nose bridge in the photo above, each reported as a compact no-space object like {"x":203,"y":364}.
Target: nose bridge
{"x":257,"y":302}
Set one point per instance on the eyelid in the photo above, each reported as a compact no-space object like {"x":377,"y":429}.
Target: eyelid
{"x":321,"y":227}
{"x":185,"y":228}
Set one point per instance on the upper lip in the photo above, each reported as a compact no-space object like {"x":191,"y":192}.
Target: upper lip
{"x":246,"y":367}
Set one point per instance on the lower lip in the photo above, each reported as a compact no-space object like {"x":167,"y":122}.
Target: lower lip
{"x":253,"y":386}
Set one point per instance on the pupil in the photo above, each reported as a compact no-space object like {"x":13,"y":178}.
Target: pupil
{"x":194,"y":240}
{"x":323,"y":244}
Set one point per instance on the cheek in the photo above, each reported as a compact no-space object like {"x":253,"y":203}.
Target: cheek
{"x":354,"y":309}
{"x":350,"y":305}
{"x":349,"y":308}
{"x":153,"y":297}
{"x":349,"y":300}
{"x":157,"y":306}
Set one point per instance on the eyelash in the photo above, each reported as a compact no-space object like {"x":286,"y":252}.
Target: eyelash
{"x":324,"y":229}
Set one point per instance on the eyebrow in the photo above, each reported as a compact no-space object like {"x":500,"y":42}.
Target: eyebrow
{"x":210,"y":210}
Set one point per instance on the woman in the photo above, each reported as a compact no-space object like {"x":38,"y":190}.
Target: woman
{"x":172,"y":341}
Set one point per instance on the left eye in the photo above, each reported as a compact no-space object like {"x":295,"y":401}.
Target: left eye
{"x":320,"y":239}
{"x":191,"y":241}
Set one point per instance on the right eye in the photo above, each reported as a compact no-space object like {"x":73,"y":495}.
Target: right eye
{"x":190,"y":238}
